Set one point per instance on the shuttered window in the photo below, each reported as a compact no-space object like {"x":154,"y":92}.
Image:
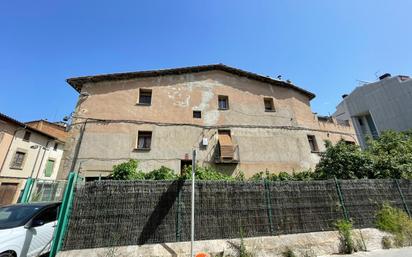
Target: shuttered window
{"x":226,"y":145}
{"x":48,"y":170}
{"x":18,"y":160}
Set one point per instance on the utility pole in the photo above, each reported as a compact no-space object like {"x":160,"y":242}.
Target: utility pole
{"x":193,"y":203}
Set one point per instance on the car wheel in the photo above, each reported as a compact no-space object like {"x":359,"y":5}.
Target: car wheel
{"x":7,"y":254}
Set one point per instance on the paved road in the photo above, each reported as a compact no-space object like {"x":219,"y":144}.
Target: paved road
{"x":402,"y":252}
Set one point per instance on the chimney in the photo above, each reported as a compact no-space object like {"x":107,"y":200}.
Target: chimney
{"x":384,"y":76}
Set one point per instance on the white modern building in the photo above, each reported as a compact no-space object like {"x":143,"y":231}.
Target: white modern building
{"x":378,"y":106}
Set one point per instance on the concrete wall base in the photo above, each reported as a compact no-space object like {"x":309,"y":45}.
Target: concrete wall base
{"x":307,"y":244}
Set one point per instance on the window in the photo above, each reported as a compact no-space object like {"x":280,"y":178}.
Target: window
{"x":197,"y":114}
{"x":269,"y":106}
{"x":48,"y":170}
{"x":145,"y":97}
{"x":226,"y":147}
{"x":223,"y":102}
{"x":144,"y":139}
{"x":56,"y":145}
{"x":27,"y":135}
{"x":312,"y":143}
{"x":18,"y":160}
{"x":46,"y":216}
{"x":349,"y":142}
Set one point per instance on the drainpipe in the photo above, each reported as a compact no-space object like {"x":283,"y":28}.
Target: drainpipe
{"x":35,"y":162}
{"x":8,"y":150}
{"x":77,"y":149}
{"x":42,"y":158}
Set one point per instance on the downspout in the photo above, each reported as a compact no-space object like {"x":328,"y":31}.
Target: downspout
{"x":77,"y":149}
{"x":42,"y":158}
{"x":8,"y":150}
{"x":35,"y":162}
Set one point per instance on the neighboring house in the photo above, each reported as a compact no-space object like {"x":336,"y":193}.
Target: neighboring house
{"x":379,"y":106}
{"x":56,"y":129}
{"x":25,"y":152}
{"x":237,"y":120}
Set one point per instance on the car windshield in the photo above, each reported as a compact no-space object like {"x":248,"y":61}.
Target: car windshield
{"x":15,"y":216}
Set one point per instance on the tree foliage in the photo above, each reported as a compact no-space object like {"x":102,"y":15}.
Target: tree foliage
{"x":389,"y":156}
{"x":344,"y":161}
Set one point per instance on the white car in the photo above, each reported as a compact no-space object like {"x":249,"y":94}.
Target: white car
{"x":27,"y":229}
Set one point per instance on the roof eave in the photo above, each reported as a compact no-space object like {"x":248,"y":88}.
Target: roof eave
{"x":77,"y":82}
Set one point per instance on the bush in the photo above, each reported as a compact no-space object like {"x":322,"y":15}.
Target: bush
{"x":205,"y":173}
{"x":396,"y":222}
{"x":283,"y":176}
{"x":163,"y":173}
{"x":125,"y":171}
{"x":345,"y":233}
{"x":288,"y":253}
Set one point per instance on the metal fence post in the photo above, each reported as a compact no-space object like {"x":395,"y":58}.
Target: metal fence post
{"x":268,"y":206}
{"x":405,"y":205}
{"x":178,"y":216}
{"x":27,"y":190}
{"x":342,"y":202}
{"x":64,"y":215}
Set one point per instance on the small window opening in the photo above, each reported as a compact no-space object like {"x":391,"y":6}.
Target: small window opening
{"x":56,"y":145}
{"x":18,"y":160}
{"x":145,"y":96}
{"x":312,"y":143}
{"x":197,"y":114}
{"x":269,"y":105}
{"x":144,"y":140}
{"x":27,"y":135}
{"x":223,"y":102}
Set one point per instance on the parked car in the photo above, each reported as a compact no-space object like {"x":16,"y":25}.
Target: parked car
{"x":27,"y":229}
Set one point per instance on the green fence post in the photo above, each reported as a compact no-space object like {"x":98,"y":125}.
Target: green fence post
{"x":405,"y":205}
{"x":342,"y":202}
{"x":178,"y":217}
{"x":268,"y":206}
{"x":64,"y":215}
{"x":27,"y":190}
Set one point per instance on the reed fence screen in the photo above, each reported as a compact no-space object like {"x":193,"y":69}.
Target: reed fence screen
{"x":116,"y":213}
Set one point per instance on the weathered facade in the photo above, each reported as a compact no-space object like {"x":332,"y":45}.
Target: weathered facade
{"x":25,"y":152}
{"x":378,"y":106}
{"x":235,"y":119}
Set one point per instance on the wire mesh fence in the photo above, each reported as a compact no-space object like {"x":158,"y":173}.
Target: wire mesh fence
{"x":115,"y":213}
{"x":47,"y":190}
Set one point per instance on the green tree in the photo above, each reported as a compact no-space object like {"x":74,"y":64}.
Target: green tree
{"x":344,"y":161}
{"x":391,"y":154}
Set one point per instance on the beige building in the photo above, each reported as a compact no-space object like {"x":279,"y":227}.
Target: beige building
{"x":25,"y":152}
{"x":237,"y":120}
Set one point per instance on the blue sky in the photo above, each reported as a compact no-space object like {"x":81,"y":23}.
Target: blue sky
{"x":322,"y":46}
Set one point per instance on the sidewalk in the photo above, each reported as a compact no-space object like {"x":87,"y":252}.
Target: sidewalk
{"x":400,"y":252}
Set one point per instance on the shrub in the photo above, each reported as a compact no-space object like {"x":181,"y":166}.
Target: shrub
{"x":288,"y":253}
{"x":205,"y":173}
{"x":396,"y":222}
{"x":125,"y":171}
{"x":163,"y":173}
{"x":345,"y":233}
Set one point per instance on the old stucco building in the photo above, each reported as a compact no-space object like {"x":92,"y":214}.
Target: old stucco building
{"x":236,"y":120}
{"x":25,"y":152}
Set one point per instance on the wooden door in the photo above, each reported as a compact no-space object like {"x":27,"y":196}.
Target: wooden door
{"x":7,"y":192}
